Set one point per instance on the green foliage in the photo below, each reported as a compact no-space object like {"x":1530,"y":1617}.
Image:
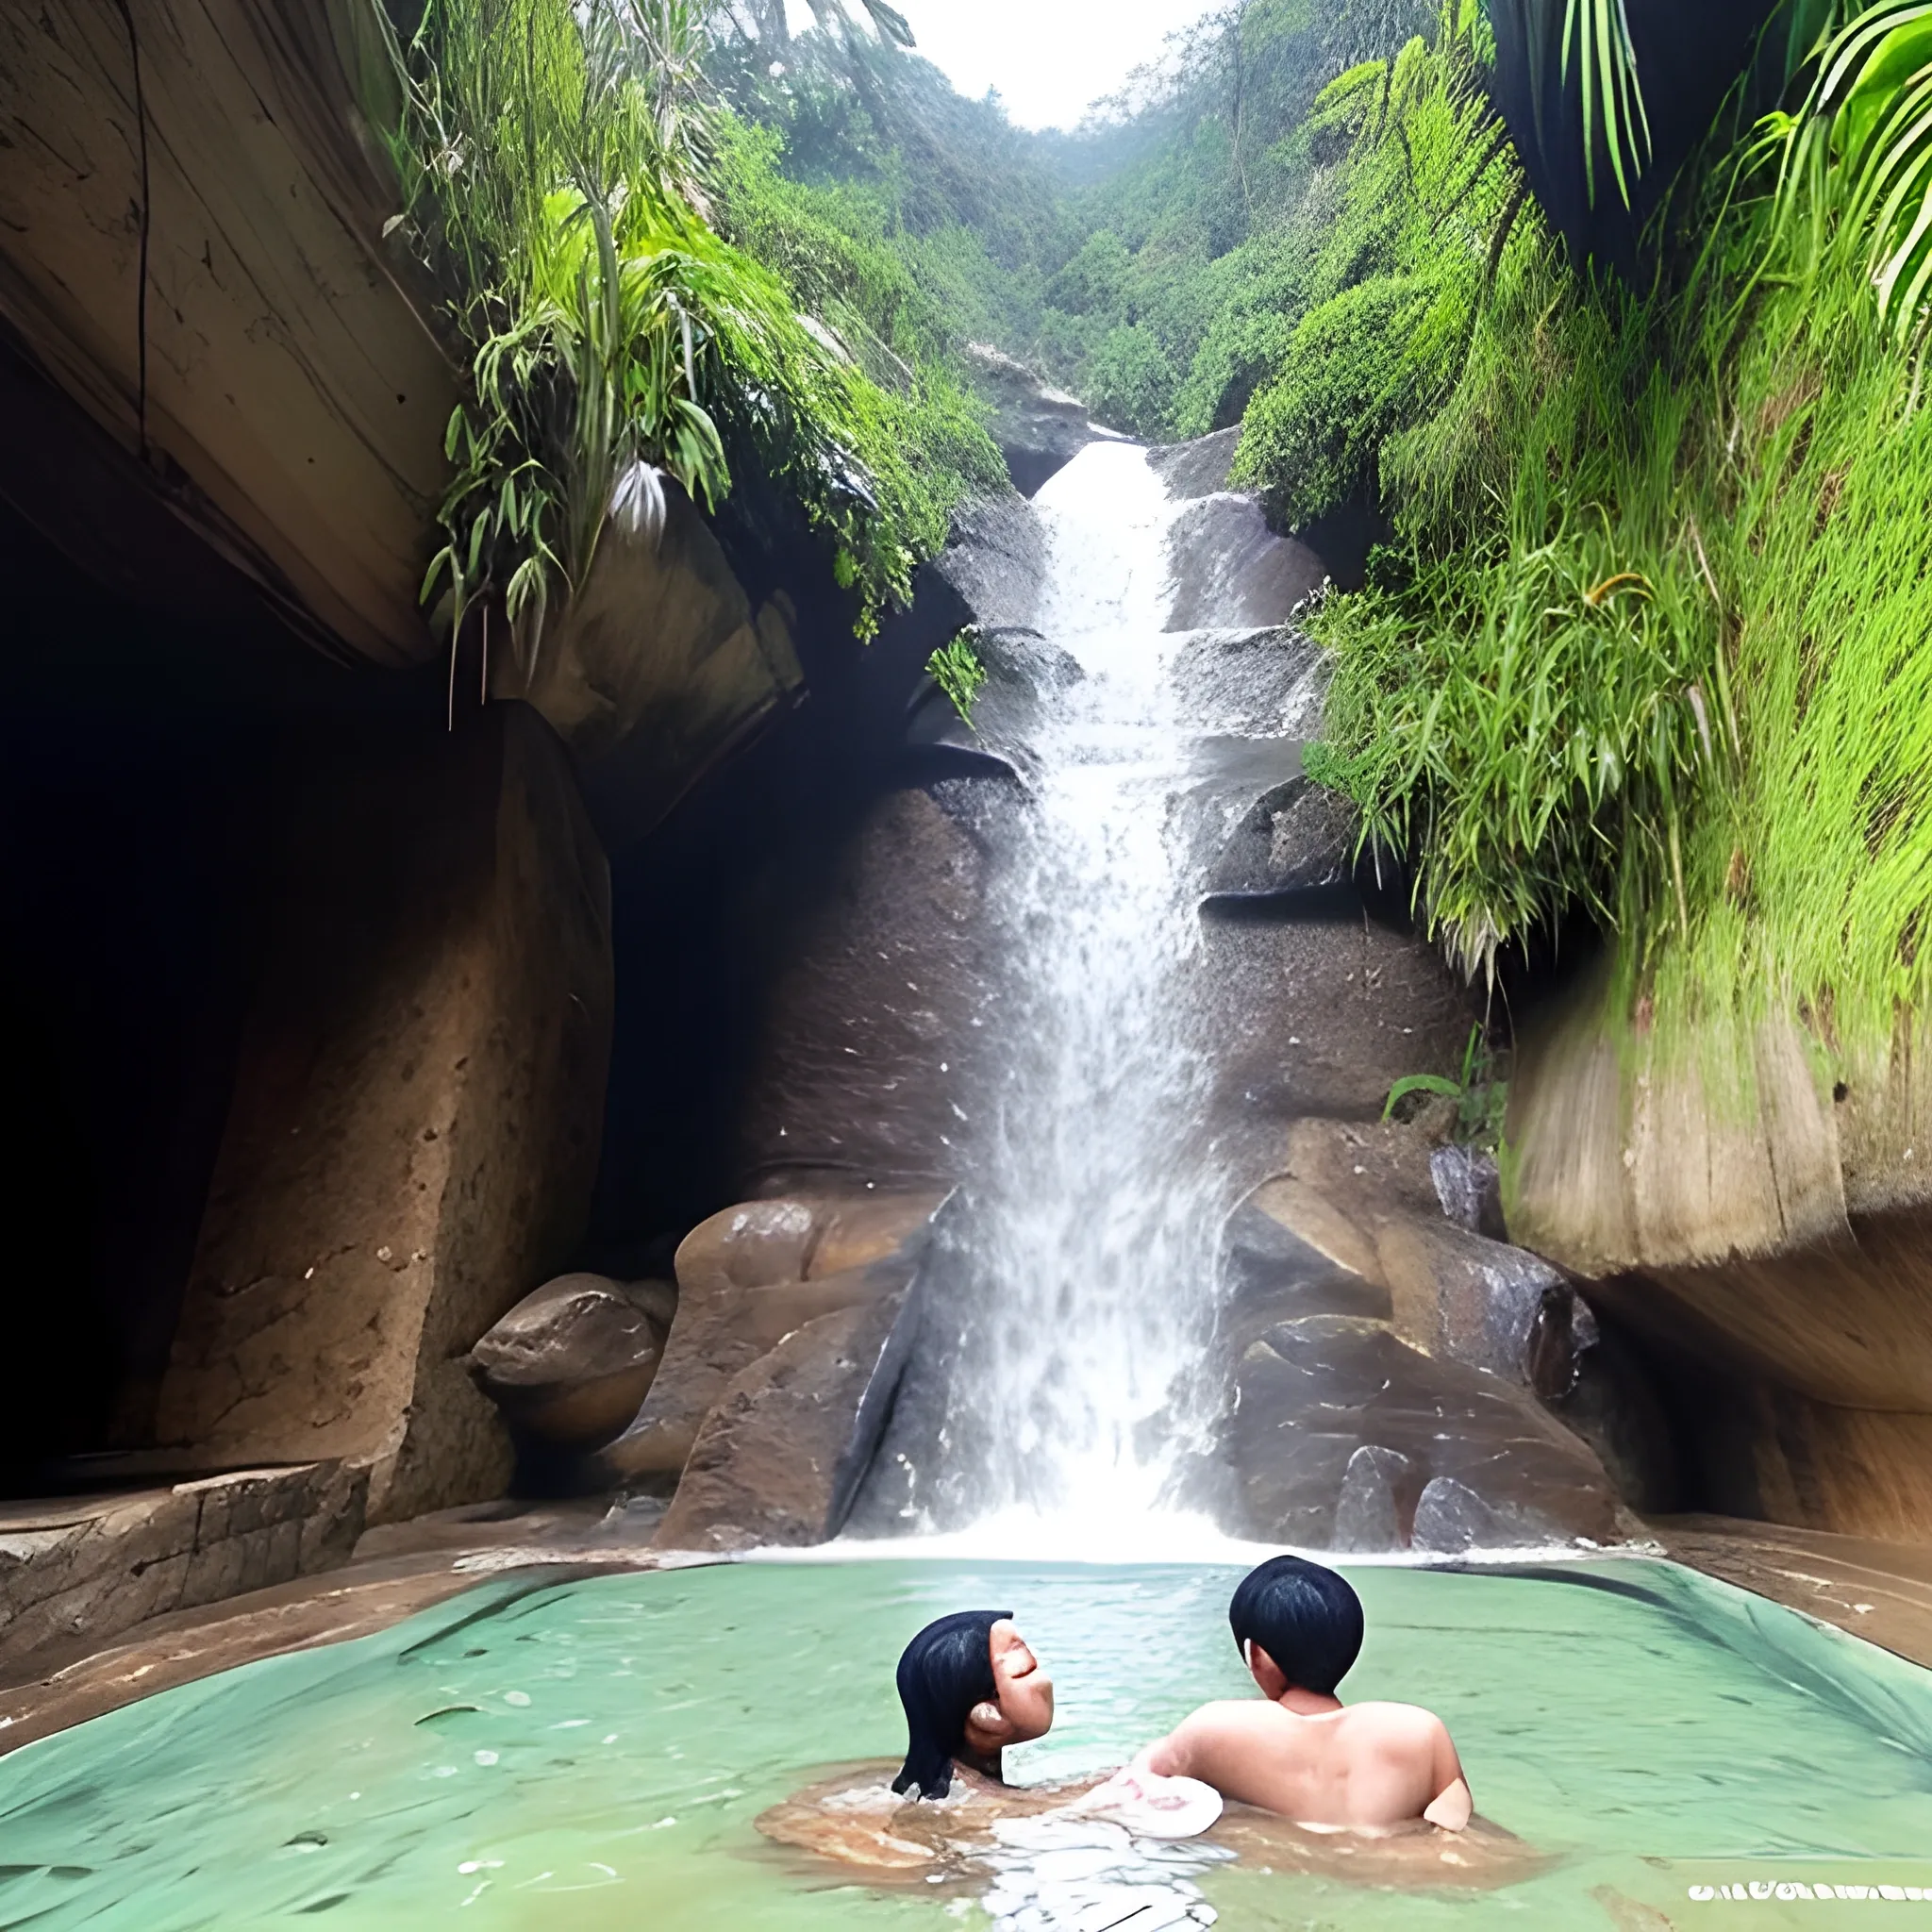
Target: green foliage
{"x":955,"y":668}
{"x":1095,"y":281}
{"x":1481,"y":1093}
{"x":552,"y":157}
{"x":1130,"y":381}
{"x":1651,"y":644}
{"x":1857,"y":160}
{"x":1412,"y":1083}
{"x":1141,"y":262}
{"x":1530,"y":722}
{"x":1355,"y":370}
{"x":1409,"y":251}
{"x":1593,"y":43}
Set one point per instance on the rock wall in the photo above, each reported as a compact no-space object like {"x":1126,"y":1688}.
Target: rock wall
{"x":81,"y":1572}
{"x":657,"y":670}
{"x":1763,"y":1229}
{"x":413,"y":1137}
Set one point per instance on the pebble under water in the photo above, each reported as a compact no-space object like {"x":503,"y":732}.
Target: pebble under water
{"x":593,"y":1753}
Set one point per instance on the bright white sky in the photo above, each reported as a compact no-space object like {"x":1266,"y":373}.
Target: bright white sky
{"x":1049,"y":58}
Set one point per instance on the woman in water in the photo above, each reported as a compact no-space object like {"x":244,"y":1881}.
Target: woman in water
{"x":971,"y":1686}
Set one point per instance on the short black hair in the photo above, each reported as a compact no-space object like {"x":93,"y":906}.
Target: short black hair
{"x":1306,"y":1618}
{"x":943,"y":1672}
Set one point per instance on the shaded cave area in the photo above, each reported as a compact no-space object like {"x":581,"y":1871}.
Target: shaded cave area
{"x":167,"y":768}
{"x":142,"y":754}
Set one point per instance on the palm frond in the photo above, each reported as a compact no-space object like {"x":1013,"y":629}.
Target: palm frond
{"x":1855,"y":166}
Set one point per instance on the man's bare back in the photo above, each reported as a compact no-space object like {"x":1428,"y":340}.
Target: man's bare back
{"x":1362,"y":1768}
{"x":1299,"y":1753}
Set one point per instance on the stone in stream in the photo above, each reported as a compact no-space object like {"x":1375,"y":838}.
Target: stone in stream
{"x":1398,"y":1381}
{"x":1297,"y":836}
{"x":782,"y":1451}
{"x":1024,"y":672}
{"x":571,"y":1364}
{"x":1039,"y":429}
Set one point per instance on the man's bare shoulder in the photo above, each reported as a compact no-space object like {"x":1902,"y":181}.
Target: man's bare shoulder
{"x":1233,"y":1713}
{"x":1396,"y":1726}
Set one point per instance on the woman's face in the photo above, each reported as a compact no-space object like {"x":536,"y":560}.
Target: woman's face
{"x":1024,"y":1709}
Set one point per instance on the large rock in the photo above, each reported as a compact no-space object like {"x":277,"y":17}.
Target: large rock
{"x":1233,"y":569}
{"x":571,"y":1364}
{"x":413,"y":1136}
{"x":783,"y":1451}
{"x":1039,"y":429}
{"x":286,"y":400}
{"x":1317,"y":1009}
{"x":1230,"y":561}
{"x":746,"y":1279}
{"x":1392,"y":1374}
{"x":1762,"y":1231}
{"x":994,"y":562}
{"x":1025,"y":673}
{"x":657,"y":669}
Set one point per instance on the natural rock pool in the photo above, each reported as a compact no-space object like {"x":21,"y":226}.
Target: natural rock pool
{"x":594,"y":1754}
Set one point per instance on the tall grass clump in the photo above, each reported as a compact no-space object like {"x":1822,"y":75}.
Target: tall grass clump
{"x":554,"y":159}
{"x":1654,"y":639}
{"x":1431,"y":204}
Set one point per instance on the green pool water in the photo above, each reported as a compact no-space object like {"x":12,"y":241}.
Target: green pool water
{"x":593,"y":1754}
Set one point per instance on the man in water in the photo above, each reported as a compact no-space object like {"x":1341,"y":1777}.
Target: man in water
{"x":1300,"y":1752}
{"x":971,"y":1686}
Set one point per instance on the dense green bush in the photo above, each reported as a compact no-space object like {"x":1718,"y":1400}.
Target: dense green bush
{"x":1355,"y":370}
{"x":1654,"y":639}
{"x":554,"y":158}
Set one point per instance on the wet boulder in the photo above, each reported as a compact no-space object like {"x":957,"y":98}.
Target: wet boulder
{"x":1316,"y":1393}
{"x":1039,"y":429}
{"x":1232,"y":571}
{"x":749,"y":1277}
{"x":1297,"y":836}
{"x":1265,"y":685}
{"x":571,"y":1364}
{"x":781,"y":1453}
{"x":1024,"y":673}
{"x":995,"y":561}
{"x":1232,"y":565}
{"x":1396,"y":1381}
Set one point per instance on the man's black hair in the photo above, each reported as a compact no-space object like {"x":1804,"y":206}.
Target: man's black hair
{"x":943,"y":1672}
{"x":1305,"y":1617}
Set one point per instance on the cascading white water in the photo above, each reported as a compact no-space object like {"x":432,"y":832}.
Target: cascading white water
{"x":1085,"y":1242}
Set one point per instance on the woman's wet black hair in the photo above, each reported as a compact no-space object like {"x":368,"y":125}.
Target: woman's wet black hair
{"x":943,"y":1672}
{"x":1305,"y":1617}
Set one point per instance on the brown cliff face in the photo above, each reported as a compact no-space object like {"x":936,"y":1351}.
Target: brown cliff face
{"x":414,"y":1132}
{"x":1765,"y":1234}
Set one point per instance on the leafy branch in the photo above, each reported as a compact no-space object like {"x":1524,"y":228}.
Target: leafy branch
{"x":955,"y":668}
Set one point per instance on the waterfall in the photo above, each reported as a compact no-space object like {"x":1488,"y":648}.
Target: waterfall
{"x":1060,"y":1378}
